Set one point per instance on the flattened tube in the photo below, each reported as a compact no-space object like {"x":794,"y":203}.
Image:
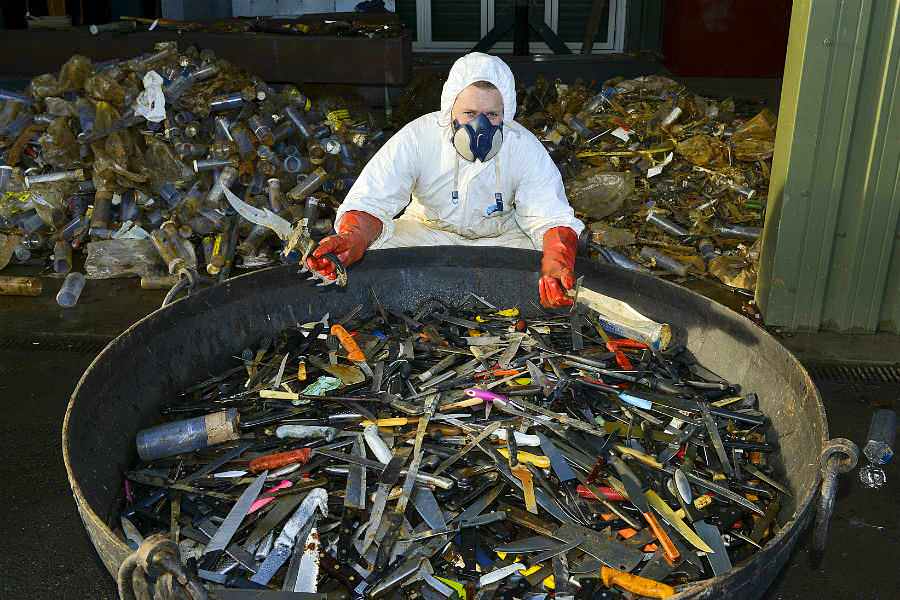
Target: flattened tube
{"x":187,"y":435}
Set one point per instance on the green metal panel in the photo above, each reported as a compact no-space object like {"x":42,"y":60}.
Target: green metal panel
{"x":406,"y":10}
{"x":573,"y":15}
{"x":643,"y":25}
{"x":831,"y":256}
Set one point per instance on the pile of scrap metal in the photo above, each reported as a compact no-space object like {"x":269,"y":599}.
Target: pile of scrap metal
{"x":666,"y":179}
{"x":459,"y":451}
{"x":135,"y":161}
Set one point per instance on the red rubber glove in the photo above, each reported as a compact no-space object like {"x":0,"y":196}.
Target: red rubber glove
{"x":357,"y":231}
{"x":558,"y":267}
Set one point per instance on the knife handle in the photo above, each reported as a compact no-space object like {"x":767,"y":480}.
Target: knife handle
{"x":389,"y":422}
{"x":279,"y":459}
{"x":635,"y":583}
{"x":539,"y":461}
{"x":670,"y":552}
{"x":462,"y":404}
{"x":607,"y":493}
{"x":354,"y":354}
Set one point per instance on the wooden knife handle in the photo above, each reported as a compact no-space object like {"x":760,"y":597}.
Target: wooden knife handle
{"x":280,"y":459}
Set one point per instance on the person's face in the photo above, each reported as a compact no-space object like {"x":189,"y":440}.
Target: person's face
{"x":473,"y":101}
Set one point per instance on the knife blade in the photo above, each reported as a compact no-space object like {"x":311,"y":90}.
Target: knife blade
{"x":557,"y":461}
{"x":395,"y":518}
{"x":536,"y":543}
{"x":713,"y":430}
{"x":467,"y":448}
{"x":222,"y":460}
{"x":308,"y":571}
{"x":634,"y":490}
{"x":608,"y":550}
{"x":559,"y":548}
{"x":389,"y":477}
{"x":355,"y":490}
{"x":424,"y":478}
{"x":260,"y":216}
{"x":223,"y":535}
{"x":317,"y":499}
{"x":672,"y":518}
{"x":429,"y":509}
{"x":564,"y":473}
{"x":510,"y":353}
{"x":763,"y":477}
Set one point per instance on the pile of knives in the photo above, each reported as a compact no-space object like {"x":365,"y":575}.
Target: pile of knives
{"x":462,"y":451}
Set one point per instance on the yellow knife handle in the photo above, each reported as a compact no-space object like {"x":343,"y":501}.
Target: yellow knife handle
{"x":541,"y":462}
{"x":389,"y":422}
{"x":635,"y":583}
{"x":468,"y":402}
{"x":522,"y":473}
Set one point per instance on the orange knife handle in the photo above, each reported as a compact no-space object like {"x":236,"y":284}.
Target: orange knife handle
{"x":629,"y":344}
{"x":635,"y":583}
{"x":623,"y":361}
{"x":670,"y":552}
{"x":280,"y":459}
{"x":354,"y":354}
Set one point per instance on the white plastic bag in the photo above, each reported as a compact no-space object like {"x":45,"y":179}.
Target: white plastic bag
{"x":151,"y":103}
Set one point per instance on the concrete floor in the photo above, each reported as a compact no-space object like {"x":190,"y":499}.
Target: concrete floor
{"x":44,"y":551}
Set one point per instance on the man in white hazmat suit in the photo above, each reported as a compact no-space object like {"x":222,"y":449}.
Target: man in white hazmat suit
{"x":466,"y":175}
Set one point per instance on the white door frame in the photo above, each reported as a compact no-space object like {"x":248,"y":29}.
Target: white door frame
{"x":615,"y":34}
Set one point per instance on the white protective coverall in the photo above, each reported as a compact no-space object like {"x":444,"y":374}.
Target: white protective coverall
{"x":419,"y":168}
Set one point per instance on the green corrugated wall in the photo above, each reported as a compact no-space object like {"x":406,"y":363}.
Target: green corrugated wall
{"x":831,"y":255}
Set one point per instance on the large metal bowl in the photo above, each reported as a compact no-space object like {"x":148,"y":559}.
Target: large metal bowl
{"x":198,"y":336}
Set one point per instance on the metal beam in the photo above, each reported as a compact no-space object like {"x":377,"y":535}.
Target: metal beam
{"x":830,"y":256}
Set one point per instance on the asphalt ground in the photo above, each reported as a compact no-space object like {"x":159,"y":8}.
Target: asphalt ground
{"x":45,"y":552}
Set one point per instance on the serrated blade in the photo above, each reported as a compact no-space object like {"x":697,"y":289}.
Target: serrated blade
{"x":308,"y":573}
{"x":260,"y":216}
{"x":274,"y":561}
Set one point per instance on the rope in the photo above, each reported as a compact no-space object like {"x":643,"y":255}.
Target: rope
{"x":154,"y":572}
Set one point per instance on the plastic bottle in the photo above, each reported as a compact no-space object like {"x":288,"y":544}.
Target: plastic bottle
{"x":71,"y":290}
{"x":62,"y":257}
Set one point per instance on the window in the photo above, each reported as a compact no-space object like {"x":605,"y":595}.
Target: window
{"x":453,"y":25}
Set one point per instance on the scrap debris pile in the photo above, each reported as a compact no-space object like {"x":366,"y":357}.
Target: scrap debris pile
{"x":459,"y":451}
{"x":131,"y":160}
{"x":666,"y":179}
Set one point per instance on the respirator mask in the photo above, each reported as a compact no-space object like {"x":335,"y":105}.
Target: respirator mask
{"x":478,"y":139}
